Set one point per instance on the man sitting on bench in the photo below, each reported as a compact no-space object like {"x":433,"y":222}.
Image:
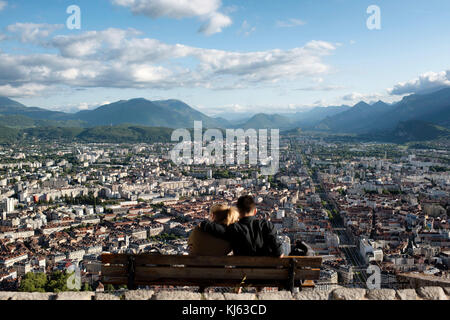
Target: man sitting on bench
{"x":249,"y":236}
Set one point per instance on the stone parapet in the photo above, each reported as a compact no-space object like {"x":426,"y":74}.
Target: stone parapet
{"x":338,"y":293}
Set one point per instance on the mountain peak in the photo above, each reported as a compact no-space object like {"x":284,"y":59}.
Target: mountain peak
{"x":381,"y":104}
{"x":267,"y":121}
{"x":9,"y":102}
{"x":140,"y":111}
{"x":361,"y":104}
{"x":135,"y":100}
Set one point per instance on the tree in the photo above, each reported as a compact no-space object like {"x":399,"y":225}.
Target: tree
{"x":58,"y":282}
{"x":109,"y":287}
{"x":330,"y":215}
{"x":86,"y":287}
{"x":33,"y":282}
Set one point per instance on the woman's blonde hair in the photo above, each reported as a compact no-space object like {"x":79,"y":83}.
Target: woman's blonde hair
{"x":224,"y":214}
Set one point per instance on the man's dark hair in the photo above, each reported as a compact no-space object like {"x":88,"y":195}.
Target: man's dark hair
{"x":246,"y":204}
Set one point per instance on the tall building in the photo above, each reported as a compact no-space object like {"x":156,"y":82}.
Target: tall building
{"x":9,"y":204}
{"x":290,"y":222}
{"x":346,"y":274}
{"x":369,"y":252}
{"x":328,"y":276}
{"x":280,"y":214}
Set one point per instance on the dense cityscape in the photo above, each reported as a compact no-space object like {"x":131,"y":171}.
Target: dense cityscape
{"x":219,"y":155}
{"x":355,"y":204}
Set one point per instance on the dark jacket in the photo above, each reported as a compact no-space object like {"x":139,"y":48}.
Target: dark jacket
{"x":302,"y":249}
{"x":248,"y":237}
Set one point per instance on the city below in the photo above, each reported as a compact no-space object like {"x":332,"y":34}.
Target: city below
{"x":358,"y":205}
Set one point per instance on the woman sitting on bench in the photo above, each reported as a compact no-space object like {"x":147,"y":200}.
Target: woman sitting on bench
{"x":201,"y":243}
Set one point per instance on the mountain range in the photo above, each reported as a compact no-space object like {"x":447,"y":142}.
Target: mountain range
{"x":362,"y":119}
{"x":168,"y":113}
{"x":164,"y":113}
{"x":408,"y":131}
{"x":381,"y":117}
{"x":355,"y":119}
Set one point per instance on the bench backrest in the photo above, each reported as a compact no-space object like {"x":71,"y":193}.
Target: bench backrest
{"x":155,"y":269}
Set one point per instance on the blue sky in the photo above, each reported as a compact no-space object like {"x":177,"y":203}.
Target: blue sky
{"x":222,"y":56}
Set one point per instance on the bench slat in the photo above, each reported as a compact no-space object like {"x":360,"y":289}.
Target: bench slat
{"x":207,"y":273}
{"x":195,"y":283}
{"x":212,"y":274}
{"x":113,"y":258}
{"x":112,"y":271}
{"x":145,"y":259}
{"x":308,"y":284}
{"x":116,"y":280}
{"x":205,"y":283}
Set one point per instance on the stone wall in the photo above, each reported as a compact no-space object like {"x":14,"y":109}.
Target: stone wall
{"x":411,"y":280}
{"x":338,"y":293}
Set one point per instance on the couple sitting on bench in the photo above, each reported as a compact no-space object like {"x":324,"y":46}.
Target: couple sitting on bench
{"x":235,"y":230}
{"x":256,"y":261}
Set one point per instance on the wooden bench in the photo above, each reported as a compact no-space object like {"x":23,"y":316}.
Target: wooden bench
{"x":207,"y":271}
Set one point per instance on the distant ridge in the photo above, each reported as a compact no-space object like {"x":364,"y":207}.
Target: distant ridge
{"x":107,"y":134}
{"x":165,"y":113}
{"x":11,"y":107}
{"x":362,"y":118}
{"x":410,"y":131}
{"x":266,"y":121}
{"x":354,"y":119}
{"x":416,"y":130}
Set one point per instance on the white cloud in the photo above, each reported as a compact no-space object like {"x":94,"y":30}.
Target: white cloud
{"x":322,"y":88}
{"x":26,"y":90}
{"x":229,"y":108}
{"x":425,"y":83}
{"x":82,"y":106}
{"x":216,"y":22}
{"x":357,"y":97}
{"x":268,"y":66}
{"x":171,"y":8}
{"x":204,"y":9}
{"x":230,"y":9}
{"x":249,"y":110}
{"x":290,"y":23}
{"x":92,"y":42}
{"x":246,"y":29}
{"x":32,"y":32}
{"x":78,"y":106}
{"x":3,"y":4}
{"x":115,"y":58}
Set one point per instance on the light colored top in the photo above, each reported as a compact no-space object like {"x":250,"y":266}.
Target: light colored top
{"x":201,"y":243}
